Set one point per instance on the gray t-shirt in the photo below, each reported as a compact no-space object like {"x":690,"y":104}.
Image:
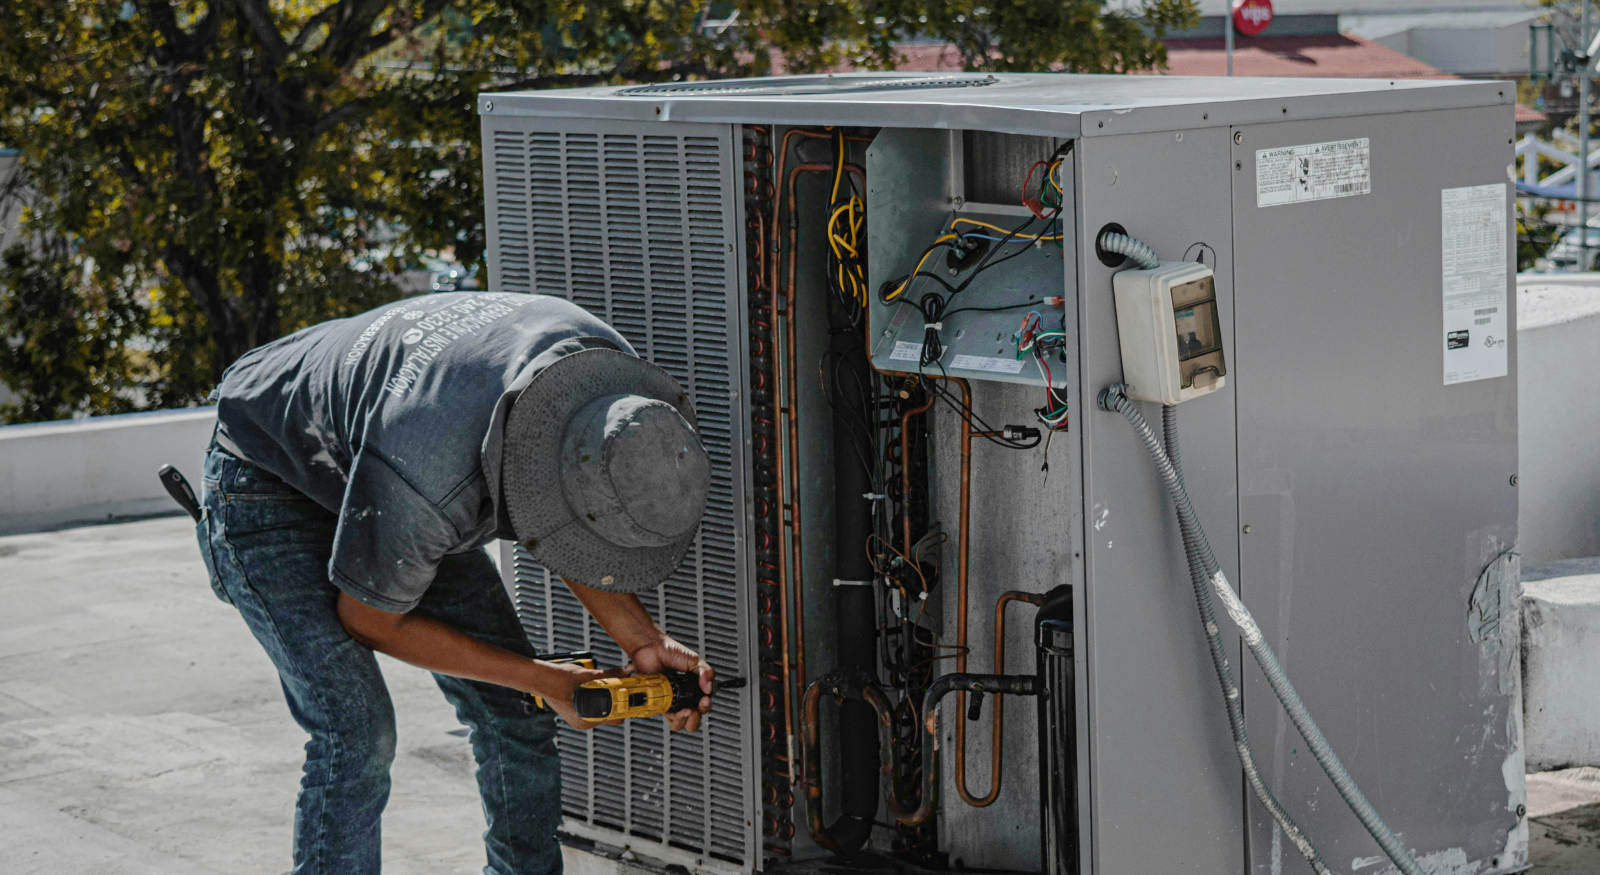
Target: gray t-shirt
{"x":391,"y":420}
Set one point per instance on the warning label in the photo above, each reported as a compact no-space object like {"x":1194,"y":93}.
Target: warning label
{"x":1313,"y":172}
{"x":1476,"y":285}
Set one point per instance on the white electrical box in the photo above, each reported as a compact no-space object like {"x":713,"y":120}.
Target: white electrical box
{"x":1170,"y":333}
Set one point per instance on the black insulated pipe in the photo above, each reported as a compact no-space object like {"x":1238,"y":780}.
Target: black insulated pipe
{"x":856,"y":642}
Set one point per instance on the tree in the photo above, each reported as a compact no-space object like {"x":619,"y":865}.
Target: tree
{"x":213,"y":175}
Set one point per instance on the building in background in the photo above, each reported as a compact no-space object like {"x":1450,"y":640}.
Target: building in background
{"x":1468,"y":38}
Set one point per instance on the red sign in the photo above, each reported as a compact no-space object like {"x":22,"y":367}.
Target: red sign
{"x":1251,"y":17}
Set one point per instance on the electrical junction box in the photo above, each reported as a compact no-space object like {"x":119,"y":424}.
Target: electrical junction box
{"x":1170,"y":333}
{"x":1353,"y":464}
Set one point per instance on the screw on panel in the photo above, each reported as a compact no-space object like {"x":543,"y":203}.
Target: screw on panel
{"x":1238,"y":137}
{"x":1204,"y":116}
{"x":1248,"y":529}
{"x":1238,"y":165}
{"x":1522,"y":810}
{"x":488,"y":106}
{"x":1513,"y":479}
{"x":1178,"y":136}
{"x":1101,"y":124}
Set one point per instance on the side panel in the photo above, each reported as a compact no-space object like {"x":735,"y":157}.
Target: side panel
{"x":1374,"y":496}
{"x":1163,"y":786}
{"x":640,"y":224}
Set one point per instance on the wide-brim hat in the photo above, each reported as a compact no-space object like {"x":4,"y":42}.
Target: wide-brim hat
{"x":603,"y":478}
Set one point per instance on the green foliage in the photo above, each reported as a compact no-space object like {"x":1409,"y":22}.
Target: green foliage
{"x":206,"y":173}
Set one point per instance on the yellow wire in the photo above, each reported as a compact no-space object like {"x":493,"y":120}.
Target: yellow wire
{"x":1003,"y":230}
{"x":933,"y":247}
{"x":1050,"y":173}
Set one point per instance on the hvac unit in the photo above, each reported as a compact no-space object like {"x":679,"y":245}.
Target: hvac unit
{"x":923,"y":319}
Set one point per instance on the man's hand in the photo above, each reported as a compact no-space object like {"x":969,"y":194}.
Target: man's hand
{"x":558,"y":695}
{"x":665,"y":653}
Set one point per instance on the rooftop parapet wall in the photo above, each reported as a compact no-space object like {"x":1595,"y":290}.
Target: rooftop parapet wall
{"x":90,"y":470}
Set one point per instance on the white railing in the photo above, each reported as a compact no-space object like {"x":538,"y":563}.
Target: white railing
{"x":1530,"y":149}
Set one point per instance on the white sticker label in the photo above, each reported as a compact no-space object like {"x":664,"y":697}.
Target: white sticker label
{"x":1476,"y":289}
{"x":987,"y":363}
{"x":1314,"y":172}
{"x":906,"y":351}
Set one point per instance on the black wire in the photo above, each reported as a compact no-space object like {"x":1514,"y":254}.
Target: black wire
{"x":972,"y":418}
{"x":1031,"y":302}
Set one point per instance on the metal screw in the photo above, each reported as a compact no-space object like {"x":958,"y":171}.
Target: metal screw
{"x":1513,"y":479}
{"x":1102,"y":124}
{"x":1238,"y":137}
{"x":954,"y":272}
{"x":488,"y":106}
{"x":1178,"y":136}
{"x":958,"y":202}
{"x":1522,"y":811}
{"x":1238,"y":165}
{"x":1248,"y":529}
{"x":1205,"y":115}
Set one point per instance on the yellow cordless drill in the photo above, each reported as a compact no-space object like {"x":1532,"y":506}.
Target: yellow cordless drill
{"x":640,"y":695}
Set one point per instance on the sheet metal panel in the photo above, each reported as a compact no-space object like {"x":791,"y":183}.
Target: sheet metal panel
{"x":1376,"y":495}
{"x":639,"y":227}
{"x":1046,"y":104}
{"x":1162,"y":792}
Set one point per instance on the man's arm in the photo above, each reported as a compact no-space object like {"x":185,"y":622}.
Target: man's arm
{"x":649,"y":648}
{"x":439,"y":647}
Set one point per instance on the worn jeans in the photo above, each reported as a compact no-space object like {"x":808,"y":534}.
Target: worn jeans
{"x":267,"y":546}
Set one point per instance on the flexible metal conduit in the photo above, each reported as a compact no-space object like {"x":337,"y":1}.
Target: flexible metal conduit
{"x":1135,"y":250}
{"x":1196,"y":545}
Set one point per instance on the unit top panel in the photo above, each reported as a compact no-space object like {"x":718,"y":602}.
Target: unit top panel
{"x":1024,"y":103}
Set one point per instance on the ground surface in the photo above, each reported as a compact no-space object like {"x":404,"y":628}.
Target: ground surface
{"x":142,"y":729}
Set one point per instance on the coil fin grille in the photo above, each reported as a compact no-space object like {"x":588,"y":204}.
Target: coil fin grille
{"x":635,"y":226}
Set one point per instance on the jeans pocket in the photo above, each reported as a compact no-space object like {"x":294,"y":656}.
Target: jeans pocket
{"x":203,"y":534}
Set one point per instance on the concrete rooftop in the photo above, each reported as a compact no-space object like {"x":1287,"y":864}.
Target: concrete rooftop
{"x":142,"y":729}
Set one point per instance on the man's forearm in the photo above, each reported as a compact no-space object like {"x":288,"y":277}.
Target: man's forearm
{"x":622,"y":615}
{"x":439,"y":647}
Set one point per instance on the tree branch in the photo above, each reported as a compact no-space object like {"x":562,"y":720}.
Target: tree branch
{"x":352,"y":26}
{"x":259,"y":17}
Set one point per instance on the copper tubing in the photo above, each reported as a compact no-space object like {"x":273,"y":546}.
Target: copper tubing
{"x":855,"y":687}
{"x":791,"y":581}
{"x":811,"y":740}
{"x":997,"y":737}
{"x":963,"y":539}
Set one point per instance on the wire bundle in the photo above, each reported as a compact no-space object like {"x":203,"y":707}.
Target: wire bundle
{"x":1032,"y":337}
{"x":847,"y":269}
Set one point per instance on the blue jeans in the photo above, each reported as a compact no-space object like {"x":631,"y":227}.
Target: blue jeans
{"x":267,"y":546}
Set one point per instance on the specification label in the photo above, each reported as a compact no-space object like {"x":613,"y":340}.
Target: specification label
{"x":905,"y":351}
{"x":1313,"y":172}
{"x":987,"y":363}
{"x":1476,"y":289}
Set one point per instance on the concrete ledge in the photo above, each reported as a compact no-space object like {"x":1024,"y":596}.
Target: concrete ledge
{"x":91,"y":470}
{"x":1558,"y":347}
{"x":1560,"y":649}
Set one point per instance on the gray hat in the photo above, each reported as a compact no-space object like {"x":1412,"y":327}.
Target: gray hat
{"x":602,"y":475}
